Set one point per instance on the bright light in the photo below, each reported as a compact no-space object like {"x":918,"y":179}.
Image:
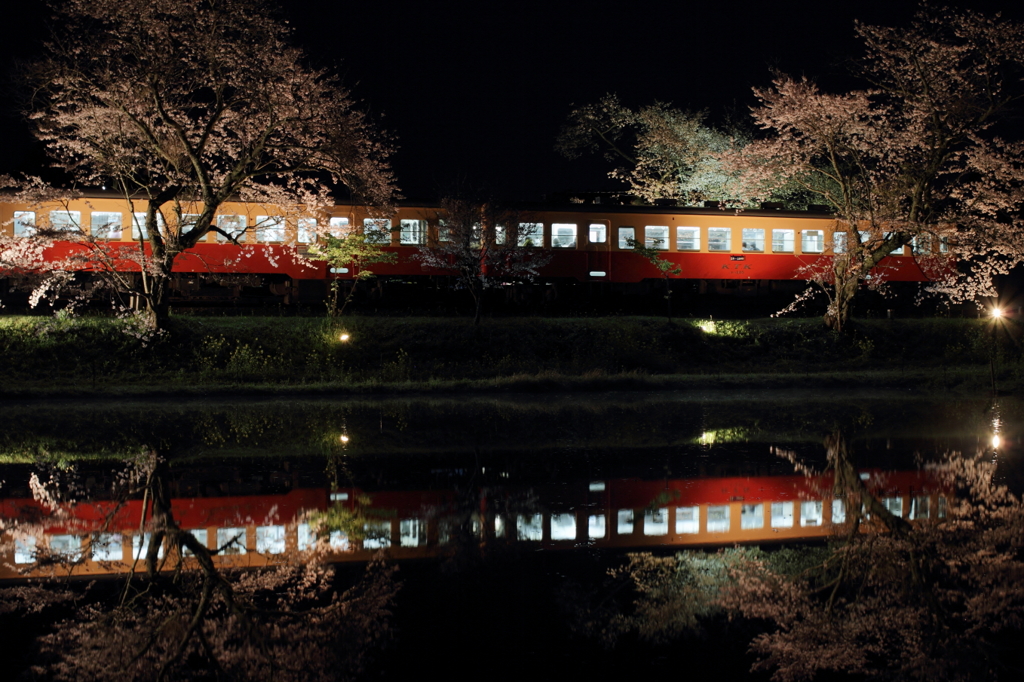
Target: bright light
{"x":997,"y":313}
{"x":707,"y":327}
{"x":996,"y":442}
{"x":343,"y":438}
{"x":344,"y":337}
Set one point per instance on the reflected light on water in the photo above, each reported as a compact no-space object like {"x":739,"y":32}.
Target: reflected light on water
{"x":343,"y":438}
{"x":996,"y":441}
{"x":343,"y":337}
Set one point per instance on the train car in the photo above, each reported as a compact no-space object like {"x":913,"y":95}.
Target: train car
{"x":718,"y":250}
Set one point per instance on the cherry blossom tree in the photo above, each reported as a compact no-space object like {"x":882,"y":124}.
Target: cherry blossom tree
{"x":486,"y":245}
{"x":915,"y":158}
{"x":185,"y":105}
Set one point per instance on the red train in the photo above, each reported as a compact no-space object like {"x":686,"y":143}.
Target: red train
{"x":717,"y":250}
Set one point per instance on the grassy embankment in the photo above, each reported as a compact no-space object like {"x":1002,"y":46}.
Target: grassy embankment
{"x":50,"y":357}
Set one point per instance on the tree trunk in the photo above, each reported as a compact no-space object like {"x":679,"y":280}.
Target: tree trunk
{"x":157,"y":293}
{"x":838,"y":313}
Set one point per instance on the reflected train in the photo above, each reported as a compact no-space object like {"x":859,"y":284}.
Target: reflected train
{"x":100,"y":538}
{"x":750,"y":252}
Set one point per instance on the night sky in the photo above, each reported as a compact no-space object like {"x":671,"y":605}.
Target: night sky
{"x":475,"y":92}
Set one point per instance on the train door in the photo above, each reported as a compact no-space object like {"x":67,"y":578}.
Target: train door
{"x":599,"y":250}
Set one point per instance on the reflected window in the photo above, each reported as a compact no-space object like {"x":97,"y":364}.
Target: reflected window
{"x":304,"y":538}
{"x":67,"y":221}
{"x":231,"y":541}
{"x":270,"y":539}
{"x":810,"y":513}
{"x":719,"y":239}
{"x":376,"y":230}
{"x":531,"y":234}
{"x":598,"y":233}
{"x":688,"y":239}
{"x":656,"y":521}
{"x":307,"y":230}
{"x":232,"y":225}
{"x":338,"y":541}
{"x":921,"y":244}
{"x":753,"y":240}
{"x":838,"y":511}
{"x":499,"y":526}
{"x":751,"y":516}
{"x":563,"y":526}
{"x":25,"y":550}
{"x":943,"y":244}
{"x":894,"y":505}
{"x":625,"y":235}
{"x":718,"y":518}
{"x":530,"y":527}
{"x":106,"y":547}
{"x":377,"y":534}
{"x":920,"y":507}
{"x":782,"y":241}
{"x":24,"y":223}
{"x":812,"y":241}
{"x":596,"y":526}
{"x":625,"y":522}
{"x":269,"y":228}
{"x":656,"y":237}
{"x":412,"y":532}
{"x":563,"y":235}
{"x":200,"y":535}
{"x":69,"y":547}
{"x":782,"y":514}
{"x":687,"y":520}
{"x":105,"y":225}
{"x":940,"y":511}
{"x":413,"y":232}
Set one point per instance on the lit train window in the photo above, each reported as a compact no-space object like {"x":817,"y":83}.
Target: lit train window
{"x":595,"y":526}
{"x":751,"y":516}
{"x":106,"y":547}
{"x":66,"y":220}
{"x":625,"y":234}
{"x":625,"y":522}
{"x":782,"y":241}
{"x":234,"y":225}
{"x":412,"y":532}
{"x":140,"y":546}
{"x":304,"y":537}
{"x":598,"y":233}
{"x":377,"y":535}
{"x":656,"y":237}
{"x":838,"y":511}
{"x":718,"y":518}
{"x":139,"y":224}
{"x":377,"y":230}
{"x":782,"y":514}
{"x":598,"y":273}
{"x":531,"y":234}
{"x":200,"y":535}
{"x":943,"y":244}
{"x":24,"y":223}
{"x":25,"y":550}
{"x":563,"y":235}
{"x":188,"y":221}
{"x":270,"y":539}
{"x":839,"y":242}
{"x":810,"y":513}
{"x":894,"y":505}
{"x":530,"y":527}
{"x":812,"y":241}
{"x":688,"y":239}
{"x":414,"y":232}
{"x":753,"y":240}
{"x":338,"y":541}
{"x":269,"y":228}
{"x":105,"y":225}
{"x":920,"y":507}
{"x":563,"y":526}
{"x":921,"y":244}
{"x":941,"y":511}
{"x":687,"y":520}
{"x":719,"y":239}
{"x":231,"y":540}
{"x":307,"y":230}
{"x":656,"y":522}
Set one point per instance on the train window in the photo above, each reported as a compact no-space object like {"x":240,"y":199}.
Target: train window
{"x":563,"y":235}
{"x":812,"y":241}
{"x":105,"y":225}
{"x":782,"y":514}
{"x":625,"y":522}
{"x":719,"y":239}
{"x":839,"y":242}
{"x":269,"y":228}
{"x":377,"y":230}
{"x":810,"y":513}
{"x":595,"y":526}
{"x":69,"y":547}
{"x":139,"y":224}
{"x":656,"y":520}
{"x":377,"y":534}
{"x":687,"y":520}
{"x":499,"y":526}
{"x":656,"y":237}
{"x":530,"y":527}
{"x":307,"y":230}
{"x":500,"y":235}
{"x":24,"y":223}
{"x":598,"y":233}
{"x":234,"y":225}
{"x":718,"y":518}
{"x":838,"y":511}
{"x":894,"y":505}
{"x":106,"y":547}
{"x":413,"y":232}
{"x":753,"y":240}
{"x":563,"y":526}
{"x":921,"y":244}
{"x":782,"y":241}
{"x":531,"y":234}
{"x":751,"y":516}
{"x":304,"y":538}
{"x":625,"y":235}
{"x":200,"y":535}
{"x":25,"y":550}
{"x":338,"y":541}
{"x":412,"y":532}
{"x":231,"y":541}
{"x":943,"y":244}
{"x":339,"y":227}
{"x":270,"y":539}
{"x":688,"y":239}
{"x":67,"y":221}
{"x":920,"y":507}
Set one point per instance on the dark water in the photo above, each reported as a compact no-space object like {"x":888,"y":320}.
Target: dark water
{"x":494,"y":613}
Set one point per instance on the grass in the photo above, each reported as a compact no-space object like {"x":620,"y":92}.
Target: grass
{"x":207,"y":356}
